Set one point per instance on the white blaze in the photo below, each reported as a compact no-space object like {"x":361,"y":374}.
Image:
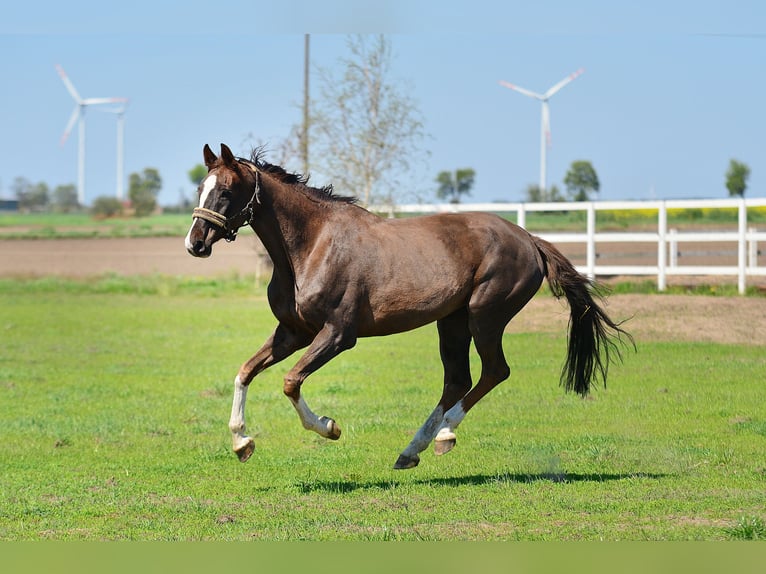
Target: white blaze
{"x":207,"y":187}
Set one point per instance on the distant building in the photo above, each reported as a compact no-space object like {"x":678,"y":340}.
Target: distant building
{"x":9,"y":204}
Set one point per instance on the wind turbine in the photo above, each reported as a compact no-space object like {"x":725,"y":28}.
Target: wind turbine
{"x":545,"y":123}
{"x":120,"y":112}
{"x":79,"y":114}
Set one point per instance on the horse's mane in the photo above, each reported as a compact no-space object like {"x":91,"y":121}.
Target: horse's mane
{"x":325,"y":193}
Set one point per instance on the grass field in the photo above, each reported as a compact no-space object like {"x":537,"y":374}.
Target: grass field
{"x":113,"y":426}
{"x":83,"y":225}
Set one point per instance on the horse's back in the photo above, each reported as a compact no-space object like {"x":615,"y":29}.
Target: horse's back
{"x":470,"y":238}
{"x":421,"y":269}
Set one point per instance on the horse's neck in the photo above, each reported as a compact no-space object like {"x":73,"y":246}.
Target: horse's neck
{"x":283,"y":227}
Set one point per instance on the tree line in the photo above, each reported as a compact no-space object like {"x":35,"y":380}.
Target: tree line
{"x":143,"y":189}
{"x":581,"y":182}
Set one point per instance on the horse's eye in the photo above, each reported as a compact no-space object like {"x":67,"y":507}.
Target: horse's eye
{"x":226,"y":194}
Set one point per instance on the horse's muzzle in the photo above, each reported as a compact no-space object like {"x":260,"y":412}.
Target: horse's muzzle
{"x":199,"y":241}
{"x":200,"y":249}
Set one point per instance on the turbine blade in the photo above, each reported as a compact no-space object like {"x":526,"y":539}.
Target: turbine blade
{"x":119,"y":110}
{"x":100,"y":101}
{"x":524,"y":91}
{"x":563,"y":83}
{"x":70,"y":124}
{"x":69,"y":86}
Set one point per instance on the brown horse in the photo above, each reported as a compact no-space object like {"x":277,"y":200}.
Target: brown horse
{"x":341,"y":272}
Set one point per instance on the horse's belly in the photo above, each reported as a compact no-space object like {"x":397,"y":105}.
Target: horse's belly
{"x":410,"y":307}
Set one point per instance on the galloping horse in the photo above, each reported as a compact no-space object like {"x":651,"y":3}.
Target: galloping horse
{"x":341,"y":272}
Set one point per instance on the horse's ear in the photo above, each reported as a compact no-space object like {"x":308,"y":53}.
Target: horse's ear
{"x":209,"y":156}
{"x":227,"y":156}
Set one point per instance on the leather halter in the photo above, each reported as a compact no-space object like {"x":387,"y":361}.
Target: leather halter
{"x":231,"y":225}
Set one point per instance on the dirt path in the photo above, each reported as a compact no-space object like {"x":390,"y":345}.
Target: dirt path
{"x":735,"y":320}
{"x":131,"y":256}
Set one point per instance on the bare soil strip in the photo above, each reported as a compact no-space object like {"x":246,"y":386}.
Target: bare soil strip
{"x":735,"y":320}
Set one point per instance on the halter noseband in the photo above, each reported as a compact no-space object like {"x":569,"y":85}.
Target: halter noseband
{"x":231,"y":225}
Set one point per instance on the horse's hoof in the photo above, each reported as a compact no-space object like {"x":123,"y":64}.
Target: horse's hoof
{"x":405,"y":462}
{"x":245,"y":450}
{"x":333,"y":430}
{"x":445,"y":442}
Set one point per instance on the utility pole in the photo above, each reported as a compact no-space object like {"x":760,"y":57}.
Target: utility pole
{"x":305,"y":134}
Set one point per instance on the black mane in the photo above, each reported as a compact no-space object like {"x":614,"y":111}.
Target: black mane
{"x":297,"y":179}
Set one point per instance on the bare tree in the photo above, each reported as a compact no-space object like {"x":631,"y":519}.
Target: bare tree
{"x":364,"y":129}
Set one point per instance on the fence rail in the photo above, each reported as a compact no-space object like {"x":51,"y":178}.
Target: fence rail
{"x":667,"y":240}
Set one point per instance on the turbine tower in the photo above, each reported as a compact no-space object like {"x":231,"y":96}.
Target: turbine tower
{"x":545,"y":123}
{"x":78,"y":115}
{"x":120,"y":113}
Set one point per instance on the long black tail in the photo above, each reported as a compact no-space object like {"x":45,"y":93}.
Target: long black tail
{"x":594,"y":339}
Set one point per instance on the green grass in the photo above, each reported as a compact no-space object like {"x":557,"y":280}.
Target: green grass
{"x":113,"y":426}
{"x":83,"y":225}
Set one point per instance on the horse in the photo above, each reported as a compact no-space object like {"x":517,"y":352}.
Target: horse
{"x":342,"y":272}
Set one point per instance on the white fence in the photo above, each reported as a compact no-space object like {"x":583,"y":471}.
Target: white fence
{"x":667,"y":241}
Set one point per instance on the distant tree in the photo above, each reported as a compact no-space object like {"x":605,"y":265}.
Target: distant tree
{"x":106,"y":206}
{"x":31,"y":196}
{"x":454,"y":184}
{"x":143,"y":190}
{"x":581,"y":180}
{"x":365,"y":129}
{"x":534,"y":194}
{"x":736,"y":178}
{"x":197,"y":174}
{"x":20,"y":188}
{"x":65,"y":198}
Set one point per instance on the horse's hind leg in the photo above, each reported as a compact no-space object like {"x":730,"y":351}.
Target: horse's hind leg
{"x":454,"y":344}
{"x":494,"y":370}
{"x":489,"y":313}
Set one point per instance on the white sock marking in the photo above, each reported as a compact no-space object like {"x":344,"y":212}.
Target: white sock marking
{"x":237,"y":420}
{"x":425,"y":434}
{"x":451,"y":421}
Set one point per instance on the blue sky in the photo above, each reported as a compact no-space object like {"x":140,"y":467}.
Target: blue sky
{"x":671,"y":90}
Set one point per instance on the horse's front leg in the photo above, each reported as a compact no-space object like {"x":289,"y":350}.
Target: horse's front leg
{"x":328,"y":343}
{"x":280,"y":345}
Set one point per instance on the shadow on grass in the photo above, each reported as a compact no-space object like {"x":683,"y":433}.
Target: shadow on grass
{"x":341,"y":486}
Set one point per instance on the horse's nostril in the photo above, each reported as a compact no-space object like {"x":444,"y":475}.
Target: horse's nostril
{"x":199,"y":246}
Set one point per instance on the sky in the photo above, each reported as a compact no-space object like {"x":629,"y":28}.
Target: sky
{"x":671,"y":90}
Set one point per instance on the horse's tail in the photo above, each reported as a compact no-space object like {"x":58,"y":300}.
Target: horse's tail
{"x":593,"y":336}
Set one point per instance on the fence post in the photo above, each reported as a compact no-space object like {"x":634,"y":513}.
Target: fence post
{"x":591,"y":250}
{"x":662,"y":247}
{"x":672,"y":249}
{"x":521,"y":216}
{"x":742,"y":247}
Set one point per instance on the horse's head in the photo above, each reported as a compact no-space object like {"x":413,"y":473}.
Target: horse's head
{"x":227,"y":198}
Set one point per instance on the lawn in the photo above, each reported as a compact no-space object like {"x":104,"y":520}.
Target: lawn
{"x":113,"y":426}
{"x":82,"y":225}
